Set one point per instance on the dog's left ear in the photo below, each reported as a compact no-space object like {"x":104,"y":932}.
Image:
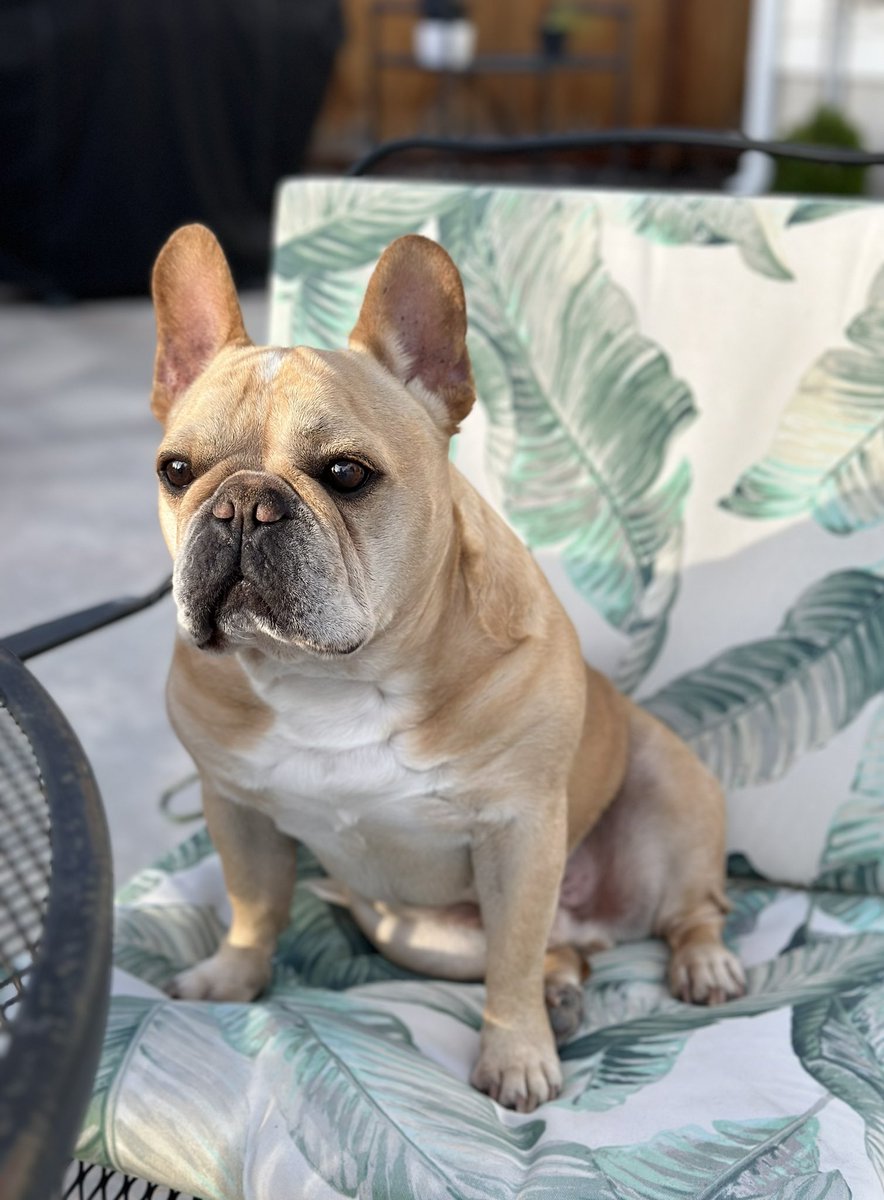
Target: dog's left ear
{"x":414,"y":321}
{"x":197,"y":312}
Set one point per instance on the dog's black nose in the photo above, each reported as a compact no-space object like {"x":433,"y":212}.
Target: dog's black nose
{"x":250,"y":503}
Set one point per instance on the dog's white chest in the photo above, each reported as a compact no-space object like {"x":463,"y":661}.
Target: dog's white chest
{"x":334,"y":772}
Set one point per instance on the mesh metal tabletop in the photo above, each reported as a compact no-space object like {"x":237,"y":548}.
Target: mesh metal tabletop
{"x":55,"y":935}
{"x":25,"y":865}
{"x":86,"y":1182}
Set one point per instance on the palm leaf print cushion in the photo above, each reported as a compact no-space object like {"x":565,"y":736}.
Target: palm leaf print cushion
{"x":681,"y":404}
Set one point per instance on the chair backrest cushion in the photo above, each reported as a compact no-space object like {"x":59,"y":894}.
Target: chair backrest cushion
{"x":682,"y":414}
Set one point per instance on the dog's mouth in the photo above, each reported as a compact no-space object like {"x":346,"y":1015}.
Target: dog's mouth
{"x":283,"y":588}
{"x":239,"y":612}
{"x":243,"y":617}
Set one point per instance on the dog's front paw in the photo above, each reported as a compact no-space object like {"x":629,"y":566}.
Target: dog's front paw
{"x":519,"y":1069}
{"x":232,"y":973}
{"x":706,"y":973}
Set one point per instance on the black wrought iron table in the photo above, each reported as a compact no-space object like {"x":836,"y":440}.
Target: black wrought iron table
{"x":55,"y":935}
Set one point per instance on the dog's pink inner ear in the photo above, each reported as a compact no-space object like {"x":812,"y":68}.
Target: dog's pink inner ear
{"x":197,"y":312}
{"x":414,"y":321}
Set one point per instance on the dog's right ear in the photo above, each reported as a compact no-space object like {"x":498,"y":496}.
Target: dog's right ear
{"x":197,"y":312}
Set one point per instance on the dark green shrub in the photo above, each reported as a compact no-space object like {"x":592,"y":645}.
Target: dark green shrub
{"x":827,"y":127}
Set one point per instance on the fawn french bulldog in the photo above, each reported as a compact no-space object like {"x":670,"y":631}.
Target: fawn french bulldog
{"x":370,"y":661}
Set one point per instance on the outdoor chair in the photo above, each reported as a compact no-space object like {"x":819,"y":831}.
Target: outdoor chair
{"x":681,"y":401}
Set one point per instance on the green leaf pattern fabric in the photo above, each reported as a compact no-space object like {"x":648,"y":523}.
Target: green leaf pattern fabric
{"x":589,"y":409}
{"x":681,"y":412}
{"x":711,"y":221}
{"x":827,"y":456}
{"x":753,"y":709}
{"x":360,"y":1088}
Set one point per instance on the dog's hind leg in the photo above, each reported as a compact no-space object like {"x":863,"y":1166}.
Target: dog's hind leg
{"x":683,"y":831}
{"x":450,"y":944}
{"x":701,"y":968}
{"x":446,"y":942}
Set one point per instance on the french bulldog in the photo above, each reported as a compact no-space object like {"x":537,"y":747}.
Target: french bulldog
{"x":370,"y":662}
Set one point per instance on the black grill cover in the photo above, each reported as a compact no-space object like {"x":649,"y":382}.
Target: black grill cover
{"x":122,"y":119}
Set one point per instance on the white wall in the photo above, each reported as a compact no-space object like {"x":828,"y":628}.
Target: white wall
{"x":806,"y":33}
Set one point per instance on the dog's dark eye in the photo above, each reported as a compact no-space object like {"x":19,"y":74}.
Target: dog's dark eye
{"x":345,"y":475}
{"x":177,"y":472}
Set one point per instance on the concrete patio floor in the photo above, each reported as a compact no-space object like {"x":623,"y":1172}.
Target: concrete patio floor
{"x":78,"y":498}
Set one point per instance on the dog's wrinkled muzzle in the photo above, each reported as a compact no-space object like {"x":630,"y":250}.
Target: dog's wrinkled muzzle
{"x":256,"y":559}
